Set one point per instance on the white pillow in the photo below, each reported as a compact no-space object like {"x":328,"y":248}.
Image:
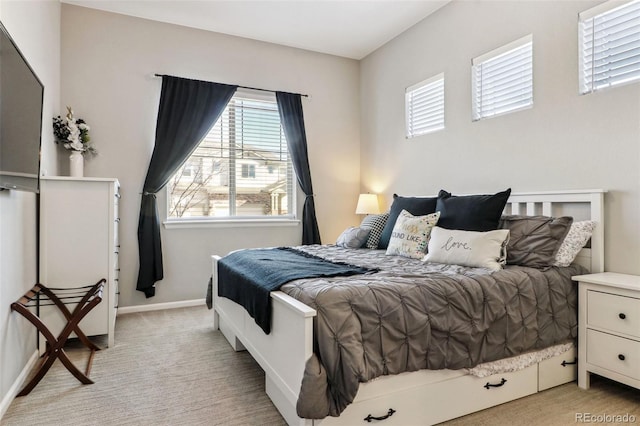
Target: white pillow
{"x":353,"y":237}
{"x":468,"y":248}
{"x":410,"y":234}
{"x":576,"y":238}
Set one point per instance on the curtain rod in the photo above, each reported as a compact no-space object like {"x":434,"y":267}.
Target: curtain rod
{"x":244,"y":87}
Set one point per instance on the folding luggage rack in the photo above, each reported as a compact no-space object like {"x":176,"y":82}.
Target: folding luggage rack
{"x":85,"y":298}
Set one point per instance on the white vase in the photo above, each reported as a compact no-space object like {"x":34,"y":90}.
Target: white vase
{"x":76,"y":164}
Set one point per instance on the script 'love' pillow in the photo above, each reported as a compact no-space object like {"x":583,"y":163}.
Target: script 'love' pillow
{"x":468,"y":248}
{"x":411,"y":234}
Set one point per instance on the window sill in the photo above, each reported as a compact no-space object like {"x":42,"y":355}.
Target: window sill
{"x":229,"y":223}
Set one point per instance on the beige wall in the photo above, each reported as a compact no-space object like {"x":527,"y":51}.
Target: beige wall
{"x":566,"y":141}
{"x":35,"y":27}
{"x":107,"y":65}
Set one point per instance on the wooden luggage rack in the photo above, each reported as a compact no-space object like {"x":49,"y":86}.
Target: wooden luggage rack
{"x":85,"y":298}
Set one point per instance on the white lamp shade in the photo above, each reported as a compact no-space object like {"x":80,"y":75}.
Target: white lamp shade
{"x":368,"y":204}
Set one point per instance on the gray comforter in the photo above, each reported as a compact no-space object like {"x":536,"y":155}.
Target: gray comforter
{"x":413,"y":315}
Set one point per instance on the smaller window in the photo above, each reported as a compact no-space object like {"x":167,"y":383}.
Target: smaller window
{"x":502,"y":80}
{"x":249,"y":171}
{"x":424,"y":105}
{"x":609,"y":45}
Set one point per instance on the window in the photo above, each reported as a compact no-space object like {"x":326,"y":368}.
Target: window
{"x":424,"y":106}
{"x":249,"y":171}
{"x":502,"y":80}
{"x":241,"y":168}
{"x":609,"y":45}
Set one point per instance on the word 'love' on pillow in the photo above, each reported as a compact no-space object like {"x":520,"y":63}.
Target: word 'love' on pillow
{"x":410,"y":234}
{"x":468,"y":248}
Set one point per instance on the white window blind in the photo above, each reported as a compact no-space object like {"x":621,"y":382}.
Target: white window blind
{"x":609,"y":45}
{"x":424,"y":105}
{"x":502,"y":80}
{"x":241,"y":168}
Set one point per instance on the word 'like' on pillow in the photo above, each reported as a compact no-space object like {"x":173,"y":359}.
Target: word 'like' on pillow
{"x":576,"y":239}
{"x":417,"y":206}
{"x":411,"y":234}
{"x":534,"y":240}
{"x":353,"y":237}
{"x":374,"y":222}
{"x":468,"y":248}
{"x":471,"y":212}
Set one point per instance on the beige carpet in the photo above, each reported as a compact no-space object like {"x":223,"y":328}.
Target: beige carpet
{"x":171,"y":368}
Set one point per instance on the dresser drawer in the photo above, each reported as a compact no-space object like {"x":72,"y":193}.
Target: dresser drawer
{"x":614,"y":353}
{"x":619,"y":314}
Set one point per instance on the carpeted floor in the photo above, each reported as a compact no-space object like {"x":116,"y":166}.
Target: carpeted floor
{"x":170,"y":368}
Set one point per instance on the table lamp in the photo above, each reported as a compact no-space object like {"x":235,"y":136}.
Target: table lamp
{"x":368,"y":204}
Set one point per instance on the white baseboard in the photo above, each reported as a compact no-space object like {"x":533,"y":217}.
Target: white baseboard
{"x":160,"y":306}
{"x":17,"y":385}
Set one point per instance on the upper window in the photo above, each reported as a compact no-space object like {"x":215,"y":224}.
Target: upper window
{"x":609,"y":45}
{"x":242,"y":168}
{"x":424,"y":104}
{"x":502,"y":80}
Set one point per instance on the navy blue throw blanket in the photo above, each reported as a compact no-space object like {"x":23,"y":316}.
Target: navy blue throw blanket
{"x":248,"y":276}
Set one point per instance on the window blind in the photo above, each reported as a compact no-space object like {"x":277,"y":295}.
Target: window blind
{"x":502,"y":80}
{"x":609,"y":43}
{"x":424,"y":104}
{"x":241,"y":168}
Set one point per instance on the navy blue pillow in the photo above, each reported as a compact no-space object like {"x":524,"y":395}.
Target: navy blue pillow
{"x":417,"y":206}
{"x":471,"y":212}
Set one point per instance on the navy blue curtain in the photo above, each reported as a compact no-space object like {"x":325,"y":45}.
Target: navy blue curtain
{"x":188,"y":109}
{"x":290,"y":108}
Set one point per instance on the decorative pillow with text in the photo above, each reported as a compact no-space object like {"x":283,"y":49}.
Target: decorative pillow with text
{"x":410,"y":234}
{"x":468,"y":248}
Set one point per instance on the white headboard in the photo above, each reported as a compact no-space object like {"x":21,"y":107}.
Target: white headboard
{"x":581,"y":204}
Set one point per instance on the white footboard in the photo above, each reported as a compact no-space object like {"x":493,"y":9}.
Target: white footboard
{"x":282,"y":354}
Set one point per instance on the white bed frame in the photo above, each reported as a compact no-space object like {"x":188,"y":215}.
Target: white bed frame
{"x":422,"y":397}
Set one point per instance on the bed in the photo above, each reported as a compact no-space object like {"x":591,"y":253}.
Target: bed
{"x":424,"y":396}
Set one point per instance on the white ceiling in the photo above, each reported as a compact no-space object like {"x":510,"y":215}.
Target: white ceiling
{"x":349,"y":28}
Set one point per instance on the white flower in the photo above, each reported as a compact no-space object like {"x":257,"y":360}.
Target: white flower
{"x":77,"y":145}
{"x":83,"y":126}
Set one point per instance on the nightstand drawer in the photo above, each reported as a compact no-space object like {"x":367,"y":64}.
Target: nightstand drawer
{"x":614,"y":353}
{"x":618,"y":314}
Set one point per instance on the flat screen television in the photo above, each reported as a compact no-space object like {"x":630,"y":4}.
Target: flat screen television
{"x":21,"y":95}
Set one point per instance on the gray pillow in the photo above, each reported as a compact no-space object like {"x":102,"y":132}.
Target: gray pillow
{"x":534,"y":240}
{"x":353,"y":237}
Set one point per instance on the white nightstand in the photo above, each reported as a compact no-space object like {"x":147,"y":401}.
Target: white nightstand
{"x":609,"y":327}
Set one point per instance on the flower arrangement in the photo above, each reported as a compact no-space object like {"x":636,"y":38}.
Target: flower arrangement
{"x":73,"y":133}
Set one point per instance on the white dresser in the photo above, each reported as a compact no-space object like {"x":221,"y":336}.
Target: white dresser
{"x":79,"y":246}
{"x":609,"y":328}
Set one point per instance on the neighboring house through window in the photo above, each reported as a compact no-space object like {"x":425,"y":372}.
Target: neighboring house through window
{"x":242,"y":168}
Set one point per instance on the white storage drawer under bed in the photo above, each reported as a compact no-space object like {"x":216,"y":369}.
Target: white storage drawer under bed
{"x":450,"y":388}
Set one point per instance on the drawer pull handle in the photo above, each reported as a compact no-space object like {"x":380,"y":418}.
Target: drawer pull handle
{"x":621,"y":357}
{"x":490,"y":385}
{"x":621,"y":316}
{"x":369,"y":418}
{"x":565,"y":363}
